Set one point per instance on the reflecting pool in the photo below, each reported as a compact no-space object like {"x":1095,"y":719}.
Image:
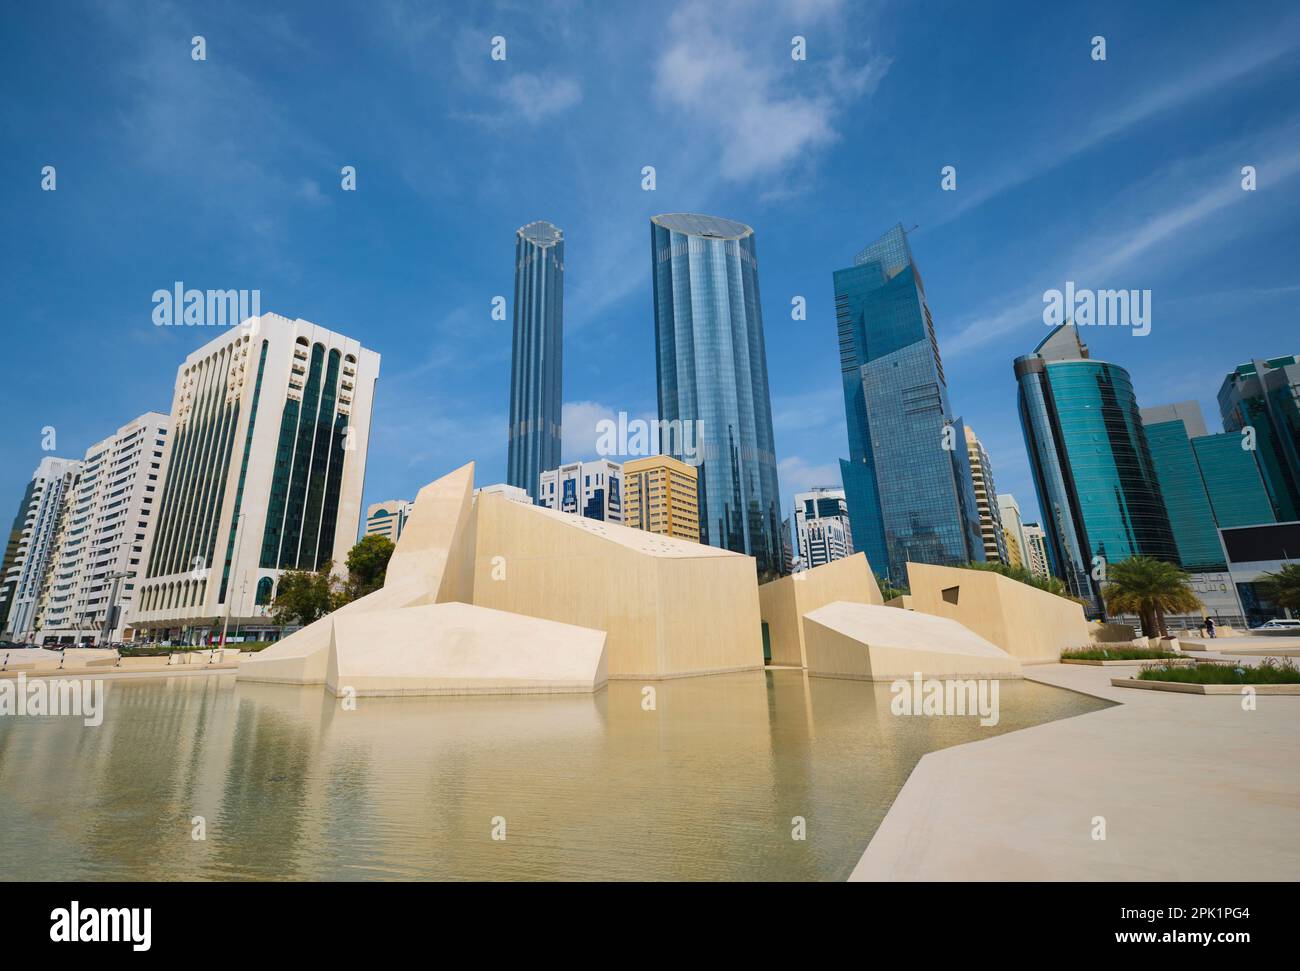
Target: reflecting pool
{"x":289,"y":785}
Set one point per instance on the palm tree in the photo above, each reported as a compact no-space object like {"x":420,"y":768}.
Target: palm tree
{"x":1284,"y":586}
{"x":1148,"y":587}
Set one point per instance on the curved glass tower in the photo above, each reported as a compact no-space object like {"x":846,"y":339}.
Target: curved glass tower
{"x":537,"y":363}
{"x":1092,"y":467}
{"x":712,"y":376}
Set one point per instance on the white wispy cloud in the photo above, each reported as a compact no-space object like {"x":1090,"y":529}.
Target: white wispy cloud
{"x":581,"y":419}
{"x":1032,"y":161}
{"x":1138,"y":239}
{"x":535,"y":98}
{"x":764,"y":111}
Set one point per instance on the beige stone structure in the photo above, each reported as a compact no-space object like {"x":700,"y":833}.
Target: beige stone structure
{"x":1032,"y":625}
{"x":528,"y":599}
{"x":784,"y":603}
{"x":877,"y":643}
{"x":472,"y":650}
{"x":670,"y":607}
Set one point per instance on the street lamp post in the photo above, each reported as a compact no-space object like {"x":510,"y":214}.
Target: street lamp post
{"x":109,"y":620}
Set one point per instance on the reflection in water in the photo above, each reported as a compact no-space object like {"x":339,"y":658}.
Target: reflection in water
{"x":590,"y":786}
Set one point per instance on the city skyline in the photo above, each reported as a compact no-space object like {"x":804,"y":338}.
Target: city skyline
{"x":436,"y":406}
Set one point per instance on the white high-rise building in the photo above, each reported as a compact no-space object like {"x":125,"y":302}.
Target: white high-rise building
{"x":1013,"y":530}
{"x":591,"y":489}
{"x":986,"y":499}
{"x":821,"y":522}
{"x":31,"y":545}
{"x":94,"y":574}
{"x":1036,"y":544}
{"x":388,"y":518}
{"x":506,"y":491}
{"x":263,"y":472}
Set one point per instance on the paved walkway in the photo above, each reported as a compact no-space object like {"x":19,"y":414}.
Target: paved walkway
{"x":1191,"y":788}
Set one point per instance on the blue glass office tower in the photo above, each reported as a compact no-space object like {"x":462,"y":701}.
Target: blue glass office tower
{"x":1208,"y":482}
{"x":907,"y":479}
{"x":712,"y":369}
{"x":1265,"y":395}
{"x":537,"y":362}
{"x":1091,"y":462}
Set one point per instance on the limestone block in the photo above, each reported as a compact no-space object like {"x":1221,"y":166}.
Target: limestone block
{"x":783,"y":603}
{"x":1030,"y":624}
{"x":456,"y":648}
{"x":878,"y":643}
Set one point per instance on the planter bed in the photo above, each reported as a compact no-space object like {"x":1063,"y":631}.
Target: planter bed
{"x":1183,"y":687}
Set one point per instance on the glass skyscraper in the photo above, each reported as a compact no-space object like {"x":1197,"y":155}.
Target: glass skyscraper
{"x":537,"y":362}
{"x":712,"y":379}
{"x":1265,"y":395}
{"x":908,"y":478}
{"x":1208,"y":482}
{"x":1091,"y":463}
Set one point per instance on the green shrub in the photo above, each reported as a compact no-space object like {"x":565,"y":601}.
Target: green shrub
{"x":157,"y":650}
{"x":1116,"y":654}
{"x":1269,"y":671}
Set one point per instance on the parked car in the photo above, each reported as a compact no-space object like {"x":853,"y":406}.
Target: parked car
{"x":14,"y":646}
{"x":1278,"y":625}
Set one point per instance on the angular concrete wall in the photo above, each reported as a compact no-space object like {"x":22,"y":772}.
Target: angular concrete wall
{"x":517,"y":574}
{"x":878,"y":643}
{"x":433,"y":562}
{"x":456,"y":648}
{"x":1029,"y":624}
{"x":783,"y":603}
{"x":670,"y":607}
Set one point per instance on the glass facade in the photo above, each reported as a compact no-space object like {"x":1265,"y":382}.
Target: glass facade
{"x":711,"y":363}
{"x":1232,"y":481}
{"x":1091,"y":463}
{"x":1190,"y":515}
{"x":302,"y":511}
{"x":537,"y":362}
{"x":1264,"y":395}
{"x":907,"y":479}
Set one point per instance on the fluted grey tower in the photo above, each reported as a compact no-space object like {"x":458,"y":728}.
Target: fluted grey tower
{"x":537,"y":365}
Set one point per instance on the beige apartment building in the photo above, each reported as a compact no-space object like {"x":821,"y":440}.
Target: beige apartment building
{"x":661,"y":495}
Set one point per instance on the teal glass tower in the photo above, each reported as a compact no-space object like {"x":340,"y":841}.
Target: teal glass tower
{"x":711,"y":364}
{"x":537,"y":359}
{"x":907,"y":479}
{"x":1091,"y":463}
{"x":1264,"y":396}
{"x":1209,"y":482}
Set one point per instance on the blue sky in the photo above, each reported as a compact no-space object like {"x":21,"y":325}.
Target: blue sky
{"x":225,"y":173}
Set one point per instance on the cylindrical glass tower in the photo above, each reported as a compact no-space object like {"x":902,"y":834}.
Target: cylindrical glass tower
{"x":537,"y":363}
{"x":1092,"y":467}
{"x":712,"y":377}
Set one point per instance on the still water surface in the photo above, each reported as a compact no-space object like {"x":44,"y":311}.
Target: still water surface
{"x":590,"y":787}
